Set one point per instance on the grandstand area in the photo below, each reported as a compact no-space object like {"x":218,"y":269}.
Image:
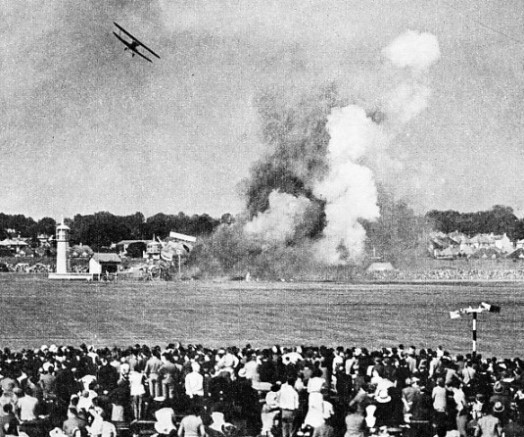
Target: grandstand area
{"x":35,"y":311}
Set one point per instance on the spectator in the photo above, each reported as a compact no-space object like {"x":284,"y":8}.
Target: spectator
{"x":355,"y":425}
{"x":490,"y":425}
{"x":153,"y":365}
{"x":194,"y":382}
{"x":270,"y":409}
{"x":73,"y":423}
{"x":165,"y":422}
{"x":8,"y":421}
{"x":288,"y":403}
{"x":192,"y":425}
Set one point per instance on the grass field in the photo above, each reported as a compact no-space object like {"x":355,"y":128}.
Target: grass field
{"x":34,"y":311}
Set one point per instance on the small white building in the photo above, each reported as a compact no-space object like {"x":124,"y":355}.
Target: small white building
{"x":380,"y":267}
{"x":104,"y":263}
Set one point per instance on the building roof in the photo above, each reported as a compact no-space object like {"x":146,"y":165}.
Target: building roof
{"x":182,"y":237}
{"x":10,"y":242}
{"x":106,"y":258}
{"x":127,"y":242}
{"x":380,"y":267}
{"x":517,"y":254}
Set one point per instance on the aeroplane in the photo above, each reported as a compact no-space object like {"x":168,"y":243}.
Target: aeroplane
{"x":134,"y":44}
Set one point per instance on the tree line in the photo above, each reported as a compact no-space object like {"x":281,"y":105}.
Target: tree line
{"x":101,"y":229}
{"x":499,"y":220}
{"x":397,"y":230}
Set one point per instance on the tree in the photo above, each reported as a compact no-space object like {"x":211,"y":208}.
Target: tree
{"x":396,"y":234}
{"x":46,"y":226}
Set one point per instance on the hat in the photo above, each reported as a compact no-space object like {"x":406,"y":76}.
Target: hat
{"x":242,"y":373}
{"x":498,"y":407}
{"x":498,"y":388}
{"x":383,"y":397}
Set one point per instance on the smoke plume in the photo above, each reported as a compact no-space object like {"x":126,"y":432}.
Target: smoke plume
{"x":349,"y":188}
{"x":280,"y":221}
{"x":329,"y":154}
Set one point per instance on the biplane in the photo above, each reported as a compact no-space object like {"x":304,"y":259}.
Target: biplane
{"x":134,"y":44}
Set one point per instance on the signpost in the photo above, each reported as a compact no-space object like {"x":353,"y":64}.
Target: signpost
{"x":474,"y":312}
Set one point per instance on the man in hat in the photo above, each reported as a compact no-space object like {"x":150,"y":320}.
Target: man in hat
{"x":409,"y":392}
{"x":489,"y":425}
{"x":500,"y":394}
{"x":384,"y":412}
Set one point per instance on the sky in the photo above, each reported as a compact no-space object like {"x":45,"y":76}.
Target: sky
{"x":85,"y":127}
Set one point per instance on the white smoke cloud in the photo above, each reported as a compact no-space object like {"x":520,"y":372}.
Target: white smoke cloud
{"x":413,"y":49}
{"x":406,"y":101}
{"x":415,"y":52}
{"x":349,"y":188}
{"x":358,"y":142}
{"x":278,"y":223}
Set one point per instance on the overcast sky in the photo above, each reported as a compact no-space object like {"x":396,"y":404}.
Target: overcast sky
{"x":87,"y":128}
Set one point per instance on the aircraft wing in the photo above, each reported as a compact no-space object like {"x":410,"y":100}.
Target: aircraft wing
{"x":147,"y":48}
{"x":122,"y":40}
{"x":140,"y":54}
{"x":130,"y":47}
{"x":136,"y":40}
{"x":123,"y":30}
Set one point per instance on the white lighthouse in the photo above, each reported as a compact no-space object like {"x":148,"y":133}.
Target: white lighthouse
{"x":62,"y":246}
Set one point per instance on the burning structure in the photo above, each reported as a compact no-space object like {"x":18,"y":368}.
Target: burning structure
{"x":307,"y":199}
{"x":325,"y":167}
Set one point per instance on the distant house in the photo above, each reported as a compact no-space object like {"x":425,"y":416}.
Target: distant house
{"x":44,"y":240}
{"x":13,"y":244}
{"x":459,"y":237}
{"x":517,"y":254}
{"x":503,"y":243}
{"x":487,"y":253}
{"x":450,"y":252}
{"x":104,"y":263}
{"x":457,"y":244}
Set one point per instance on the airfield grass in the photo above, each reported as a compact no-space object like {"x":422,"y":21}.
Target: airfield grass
{"x":36,"y":311}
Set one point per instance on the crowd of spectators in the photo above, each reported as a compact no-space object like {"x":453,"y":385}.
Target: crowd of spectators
{"x":193,"y":391}
{"x":447,"y":275}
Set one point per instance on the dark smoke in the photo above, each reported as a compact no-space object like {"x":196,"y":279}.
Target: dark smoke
{"x":297,"y":140}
